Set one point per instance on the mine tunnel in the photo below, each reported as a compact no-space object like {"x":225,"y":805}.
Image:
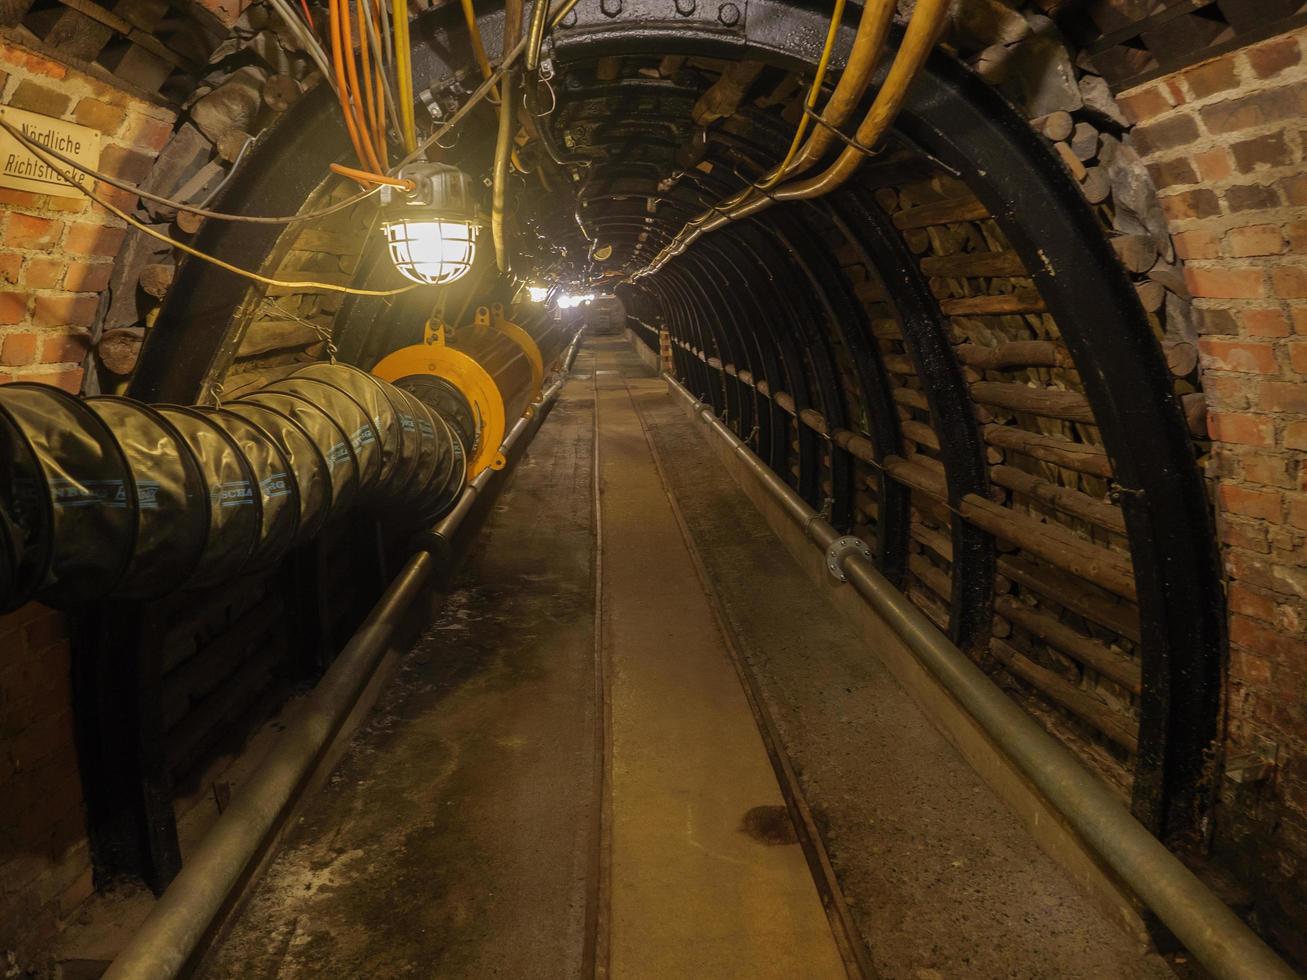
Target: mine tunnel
{"x":653,"y":488}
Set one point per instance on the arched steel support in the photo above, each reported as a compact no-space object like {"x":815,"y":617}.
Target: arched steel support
{"x":772,"y":442}
{"x":956,"y":117}
{"x":706,"y":281}
{"x":760,"y":251}
{"x":925,"y":336}
{"x":820,"y":322}
{"x":848,"y":320}
{"x":708,"y":321}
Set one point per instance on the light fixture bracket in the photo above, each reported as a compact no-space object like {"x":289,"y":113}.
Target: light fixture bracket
{"x":440,"y":191}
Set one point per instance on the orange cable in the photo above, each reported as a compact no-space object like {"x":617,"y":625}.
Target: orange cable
{"x":379,"y":83}
{"x":351,"y":70}
{"x":342,"y":89}
{"x":367,"y":177}
{"x":365,"y":70}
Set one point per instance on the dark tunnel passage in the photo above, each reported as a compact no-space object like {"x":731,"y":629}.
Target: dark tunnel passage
{"x":951,"y":371}
{"x":848,"y":315}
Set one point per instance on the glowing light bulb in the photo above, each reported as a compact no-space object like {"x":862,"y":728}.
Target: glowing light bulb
{"x":431,"y":252}
{"x":431,"y":231}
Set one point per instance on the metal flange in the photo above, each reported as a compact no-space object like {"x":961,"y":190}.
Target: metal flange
{"x":840,"y":549}
{"x":472,"y":381}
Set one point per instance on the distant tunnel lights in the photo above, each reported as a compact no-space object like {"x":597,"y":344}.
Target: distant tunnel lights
{"x":568,"y":300}
{"x":431,"y":231}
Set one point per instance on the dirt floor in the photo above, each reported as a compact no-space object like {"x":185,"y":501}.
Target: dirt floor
{"x":565,"y":778}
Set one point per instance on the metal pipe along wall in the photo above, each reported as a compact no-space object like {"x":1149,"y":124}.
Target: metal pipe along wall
{"x":1216,"y":937}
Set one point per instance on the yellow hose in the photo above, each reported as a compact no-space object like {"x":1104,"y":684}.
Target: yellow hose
{"x":404,"y":74}
{"x":868,"y":44}
{"x":779,"y":172}
{"x":499,"y":192}
{"x":814,"y":93}
{"x":478,"y":46}
{"x":918,"y":41}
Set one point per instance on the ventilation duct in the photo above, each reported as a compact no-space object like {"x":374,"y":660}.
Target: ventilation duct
{"x":107,"y":497}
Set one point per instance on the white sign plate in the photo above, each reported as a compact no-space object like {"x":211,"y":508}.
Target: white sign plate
{"x":22,"y":170}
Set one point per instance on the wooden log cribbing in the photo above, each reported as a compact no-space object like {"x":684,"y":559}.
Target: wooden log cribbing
{"x":1015,"y":355}
{"x":1078,"y":456}
{"x":1067,"y":500}
{"x":1099,"y":714}
{"x":1074,"y":644}
{"x":931,"y":575}
{"x":1051,"y":583}
{"x":965,"y":265}
{"x":1052,"y":403}
{"x":1060,"y":547}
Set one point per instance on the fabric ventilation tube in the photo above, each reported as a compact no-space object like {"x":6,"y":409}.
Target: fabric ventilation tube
{"x":106,"y":497}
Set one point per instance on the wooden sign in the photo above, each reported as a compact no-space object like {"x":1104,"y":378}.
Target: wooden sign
{"x":21,"y":169}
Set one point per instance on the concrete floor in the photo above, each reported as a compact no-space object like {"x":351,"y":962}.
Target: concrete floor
{"x":556,"y":786}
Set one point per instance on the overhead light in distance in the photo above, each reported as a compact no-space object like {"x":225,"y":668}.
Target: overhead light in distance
{"x":431,"y":231}
{"x":569,"y":300}
{"x":538,"y":294}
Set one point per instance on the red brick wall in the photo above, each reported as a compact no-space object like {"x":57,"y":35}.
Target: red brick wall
{"x":56,"y":255}
{"x":1225,"y":144}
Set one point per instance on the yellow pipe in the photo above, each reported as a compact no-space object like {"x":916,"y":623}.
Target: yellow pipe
{"x":868,"y":44}
{"x":780,"y":171}
{"x":478,"y":46}
{"x":873,"y":27}
{"x":536,"y":34}
{"x":499,"y":193}
{"x":919,"y":40}
{"x":404,"y":74}
{"x":923,"y":30}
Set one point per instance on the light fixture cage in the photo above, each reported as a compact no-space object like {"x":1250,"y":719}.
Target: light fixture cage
{"x":431,"y":232}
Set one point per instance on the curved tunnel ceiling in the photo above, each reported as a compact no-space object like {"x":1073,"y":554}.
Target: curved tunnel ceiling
{"x":945,"y":355}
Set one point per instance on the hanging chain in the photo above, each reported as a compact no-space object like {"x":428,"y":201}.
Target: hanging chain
{"x":324,"y":332}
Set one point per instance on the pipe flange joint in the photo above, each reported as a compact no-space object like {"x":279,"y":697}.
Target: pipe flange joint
{"x":434,"y":544}
{"x":840,"y":549}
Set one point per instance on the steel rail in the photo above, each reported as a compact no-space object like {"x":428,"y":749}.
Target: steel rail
{"x":167,"y":943}
{"x":1213,"y":934}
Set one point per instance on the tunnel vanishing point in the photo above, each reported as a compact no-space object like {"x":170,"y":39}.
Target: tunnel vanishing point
{"x":653,"y":488}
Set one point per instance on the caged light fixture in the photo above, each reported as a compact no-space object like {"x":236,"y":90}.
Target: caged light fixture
{"x":431,"y":230}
